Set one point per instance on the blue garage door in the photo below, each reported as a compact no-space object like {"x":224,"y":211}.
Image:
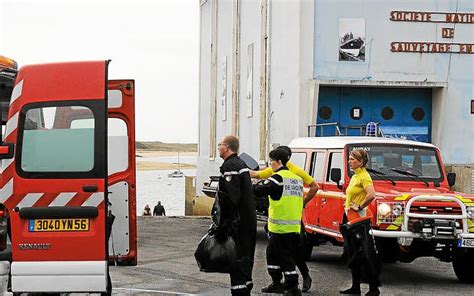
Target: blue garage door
{"x":400,"y":112}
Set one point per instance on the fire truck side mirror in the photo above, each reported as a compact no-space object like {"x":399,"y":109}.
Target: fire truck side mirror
{"x":6,"y":150}
{"x":336,"y":176}
{"x":451,"y":179}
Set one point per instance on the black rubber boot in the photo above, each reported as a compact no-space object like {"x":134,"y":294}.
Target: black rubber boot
{"x":306,"y":282}
{"x":354,"y":290}
{"x":373,"y":292}
{"x":294,"y":292}
{"x":274,"y":287}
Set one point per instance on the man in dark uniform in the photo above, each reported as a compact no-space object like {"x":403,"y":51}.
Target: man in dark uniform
{"x":237,"y":216}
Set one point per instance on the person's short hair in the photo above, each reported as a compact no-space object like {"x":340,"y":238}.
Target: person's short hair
{"x":286,"y":149}
{"x":361,"y":155}
{"x":279,"y":154}
{"x":232,"y":142}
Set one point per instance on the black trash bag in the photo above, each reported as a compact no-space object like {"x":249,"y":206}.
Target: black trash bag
{"x":213,"y":255}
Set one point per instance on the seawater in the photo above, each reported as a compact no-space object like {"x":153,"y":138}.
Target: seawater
{"x":154,"y":186}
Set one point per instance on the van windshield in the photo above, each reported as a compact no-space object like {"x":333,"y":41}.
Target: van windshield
{"x":401,"y":162}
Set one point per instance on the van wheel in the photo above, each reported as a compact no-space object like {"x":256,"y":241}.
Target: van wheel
{"x":306,"y":244}
{"x":389,"y":250}
{"x":463,"y":260}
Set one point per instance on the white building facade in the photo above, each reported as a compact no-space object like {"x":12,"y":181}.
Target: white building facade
{"x":270,"y":70}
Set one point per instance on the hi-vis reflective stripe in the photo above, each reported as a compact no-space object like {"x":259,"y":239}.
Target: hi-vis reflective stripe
{"x":12,"y":124}
{"x":290,"y":272}
{"x":275,"y":181}
{"x":235,"y":172}
{"x":29,"y":200}
{"x":6,"y":163}
{"x":94,"y":200}
{"x":62,"y":199}
{"x":249,"y":283}
{"x":7,"y":191}
{"x":284,"y":222}
{"x":16,"y":93}
{"x":273,"y":267}
{"x":403,"y":197}
{"x":238,"y":287}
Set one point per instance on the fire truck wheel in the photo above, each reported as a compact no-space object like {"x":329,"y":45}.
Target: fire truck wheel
{"x":463,"y":260}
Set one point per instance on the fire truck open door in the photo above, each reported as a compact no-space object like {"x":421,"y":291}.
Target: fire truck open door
{"x":121,"y":172}
{"x":55,"y":185}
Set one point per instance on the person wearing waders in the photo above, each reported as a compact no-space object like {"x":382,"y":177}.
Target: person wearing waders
{"x":237,"y":214}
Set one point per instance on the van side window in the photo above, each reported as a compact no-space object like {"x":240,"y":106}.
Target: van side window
{"x":318,"y":166}
{"x":335,"y":161}
{"x":299,"y":159}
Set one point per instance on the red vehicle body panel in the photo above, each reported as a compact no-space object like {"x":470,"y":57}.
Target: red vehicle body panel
{"x":54,"y":83}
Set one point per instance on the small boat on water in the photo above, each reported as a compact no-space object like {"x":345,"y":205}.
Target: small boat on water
{"x":176,"y":174}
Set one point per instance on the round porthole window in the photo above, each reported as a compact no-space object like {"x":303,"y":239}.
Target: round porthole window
{"x":418,"y":113}
{"x":357,"y":113}
{"x":325,"y":112}
{"x":387,"y":113}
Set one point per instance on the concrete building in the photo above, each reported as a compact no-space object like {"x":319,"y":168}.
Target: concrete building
{"x":270,"y":70}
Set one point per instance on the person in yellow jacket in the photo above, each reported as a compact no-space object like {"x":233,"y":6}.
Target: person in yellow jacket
{"x":313,"y":189}
{"x":285,"y":192}
{"x":307,"y":179}
{"x":359,"y":194}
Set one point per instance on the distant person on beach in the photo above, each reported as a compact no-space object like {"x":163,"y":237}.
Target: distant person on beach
{"x":146,"y":211}
{"x":159,"y":210}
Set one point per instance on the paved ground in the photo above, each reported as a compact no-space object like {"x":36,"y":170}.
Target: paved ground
{"x":166,"y":266}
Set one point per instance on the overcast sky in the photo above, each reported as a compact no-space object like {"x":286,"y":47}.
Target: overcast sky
{"x":154,"y":42}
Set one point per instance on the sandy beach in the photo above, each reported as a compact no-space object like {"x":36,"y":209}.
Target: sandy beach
{"x":145,"y":165}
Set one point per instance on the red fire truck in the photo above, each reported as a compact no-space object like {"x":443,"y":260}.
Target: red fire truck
{"x":67,"y":180}
{"x":415,"y":212}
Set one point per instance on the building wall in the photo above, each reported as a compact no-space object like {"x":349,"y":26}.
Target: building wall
{"x":453,"y":125}
{"x":289,"y":76}
{"x":304,"y":53}
{"x":250,"y":35}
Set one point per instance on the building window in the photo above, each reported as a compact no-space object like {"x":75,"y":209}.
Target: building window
{"x":325,"y":112}
{"x":387,"y":113}
{"x":418,"y":114}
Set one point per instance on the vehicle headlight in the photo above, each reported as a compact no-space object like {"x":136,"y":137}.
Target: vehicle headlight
{"x":397,"y":209}
{"x":470,"y":212}
{"x":384,"y":209}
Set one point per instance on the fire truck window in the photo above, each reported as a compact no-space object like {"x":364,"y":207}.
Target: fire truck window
{"x":318,"y":166}
{"x":52,"y":143}
{"x":335,"y":161}
{"x":117,"y":145}
{"x":299,"y":159}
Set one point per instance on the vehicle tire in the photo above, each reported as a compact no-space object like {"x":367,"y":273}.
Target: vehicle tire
{"x":306,"y":244}
{"x":388,"y":248}
{"x":463,"y":261}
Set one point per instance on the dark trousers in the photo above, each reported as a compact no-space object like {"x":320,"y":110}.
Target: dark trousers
{"x":241,"y":271}
{"x":281,"y":258}
{"x":301,"y":260}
